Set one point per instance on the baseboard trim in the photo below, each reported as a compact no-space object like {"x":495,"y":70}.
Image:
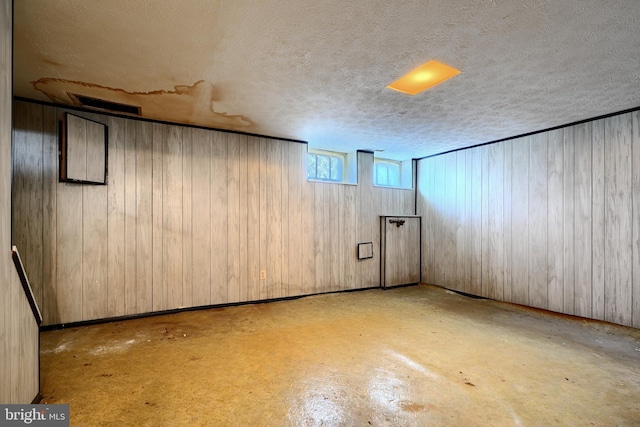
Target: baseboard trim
{"x":464,"y":294}
{"x":401,"y":286}
{"x":185,"y":309}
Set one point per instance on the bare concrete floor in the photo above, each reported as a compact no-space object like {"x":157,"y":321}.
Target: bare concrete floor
{"x":408,"y":356}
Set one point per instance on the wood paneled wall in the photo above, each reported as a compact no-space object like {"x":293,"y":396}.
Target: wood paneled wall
{"x":190,"y":217}
{"x":19,"y":366}
{"x":550,"y":220}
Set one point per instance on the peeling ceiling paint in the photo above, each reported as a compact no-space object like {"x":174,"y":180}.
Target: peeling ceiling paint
{"x":185,"y":104}
{"x":317,"y":71}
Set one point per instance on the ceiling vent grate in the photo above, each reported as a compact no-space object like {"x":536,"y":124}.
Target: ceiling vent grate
{"x":103,"y":104}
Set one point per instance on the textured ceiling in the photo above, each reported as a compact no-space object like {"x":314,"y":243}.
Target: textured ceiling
{"x":317,"y":70}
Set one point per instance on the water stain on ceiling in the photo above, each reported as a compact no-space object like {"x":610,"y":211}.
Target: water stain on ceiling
{"x":317,"y":71}
{"x":192,"y":104}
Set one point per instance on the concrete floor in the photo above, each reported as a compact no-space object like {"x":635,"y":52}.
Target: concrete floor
{"x":407,"y":356}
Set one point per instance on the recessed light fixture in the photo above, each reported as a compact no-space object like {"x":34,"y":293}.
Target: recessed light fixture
{"x":423,"y":77}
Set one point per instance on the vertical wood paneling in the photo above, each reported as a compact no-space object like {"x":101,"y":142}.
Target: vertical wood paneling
{"x":465,"y":155}
{"x":20,"y":332}
{"x":308,"y":221}
{"x":555,"y":220}
{"x":583,"y":227}
{"x":294,"y":189}
{"x":401,"y":251}
{"x":612,"y":154}
{"x":233,"y":218}
{"x":424,"y":205}
{"x":495,"y":287}
{"x":462,"y":273}
{"x":187,"y":218}
{"x":69,"y":215}
{"x":130,"y":275}
{"x":506,"y":224}
{"x":7,"y":313}
{"x":624,"y":176}
{"x":598,"y":220}
{"x":172,"y":217}
{"x":27,"y":192}
{"x":321,"y":278}
{"x":348,"y":233}
{"x":19,"y":364}
{"x":471,"y":220}
{"x":243,"y":215}
{"x":410,"y":196}
{"x":284,"y":220}
{"x":158,"y":176}
{"x":116,"y":218}
{"x":519,"y":221}
{"x":568,"y":258}
{"x":486,"y":285}
{"x":201,"y":225}
{"x":449,"y":243}
{"x":253,"y":218}
{"x":25,"y":377}
{"x":219,"y":200}
{"x":332,"y":232}
{"x":635,"y":149}
{"x":380,"y":205}
{"x":274,"y":219}
{"x":144,"y":217}
{"x":348,"y":227}
{"x":439,"y":223}
{"x":264,"y":282}
{"x":475,"y":287}
{"x":386,"y":200}
{"x":49,"y":306}
{"x":94,"y":252}
{"x":618,"y":218}
{"x":432,"y":232}
{"x":575,"y":199}
{"x":367,"y":221}
{"x":25,"y":362}
{"x":569,"y":200}
{"x":538,"y":176}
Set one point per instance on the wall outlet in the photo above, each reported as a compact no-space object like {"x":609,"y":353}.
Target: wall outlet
{"x":263,"y":274}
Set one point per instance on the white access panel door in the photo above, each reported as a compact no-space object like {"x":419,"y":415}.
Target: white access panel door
{"x":400,"y":250}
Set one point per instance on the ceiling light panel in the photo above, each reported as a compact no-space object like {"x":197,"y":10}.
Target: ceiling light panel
{"x":423,"y":77}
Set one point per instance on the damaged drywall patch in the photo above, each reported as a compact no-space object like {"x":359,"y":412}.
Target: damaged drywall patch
{"x":185,"y":104}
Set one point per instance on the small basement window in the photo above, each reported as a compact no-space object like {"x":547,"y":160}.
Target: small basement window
{"x":392,"y":173}
{"x":386,"y":172}
{"x":325,"y":166}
